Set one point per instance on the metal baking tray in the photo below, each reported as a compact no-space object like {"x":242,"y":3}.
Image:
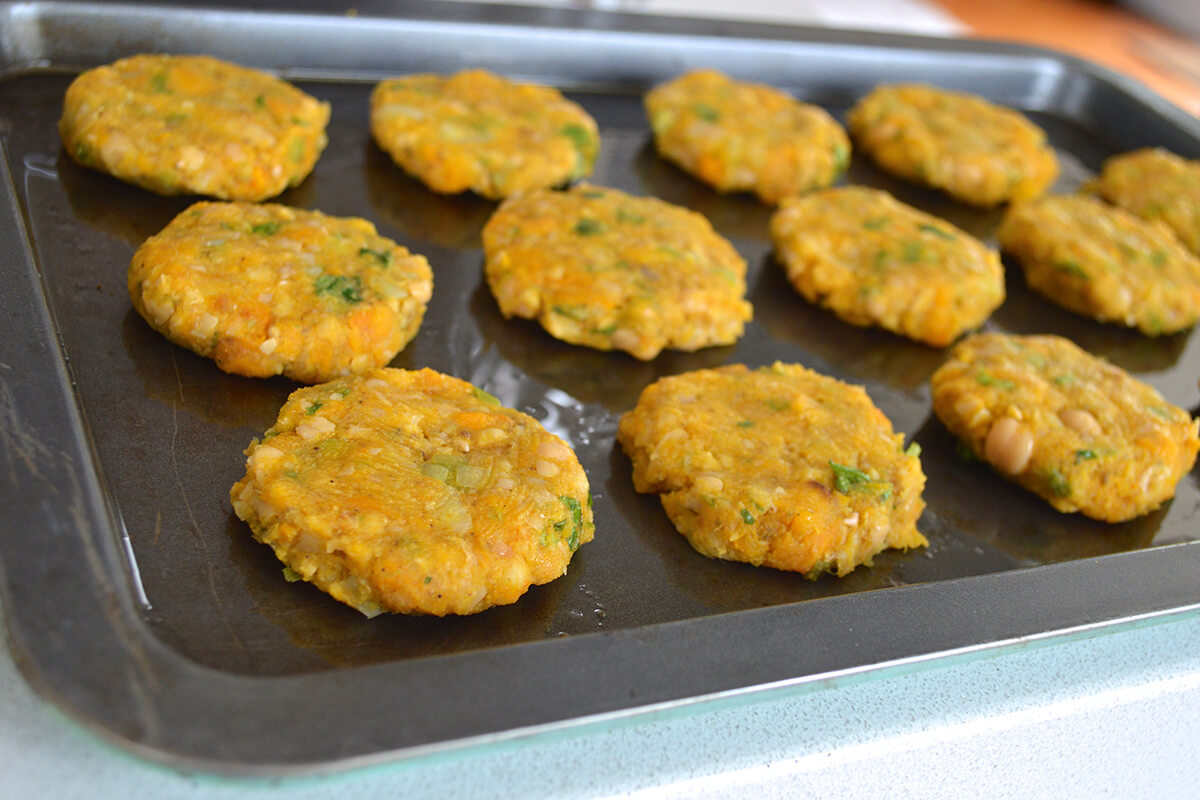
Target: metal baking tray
{"x":138,"y":602}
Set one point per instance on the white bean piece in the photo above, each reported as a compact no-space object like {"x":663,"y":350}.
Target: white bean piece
{"x":1080,"y":421}
{"x":1009,"y":446}
{"x":554,"y":450}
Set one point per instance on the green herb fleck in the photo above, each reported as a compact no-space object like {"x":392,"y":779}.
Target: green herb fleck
{"x":747,"y":517}
{"x":261,"y":101}
{"x":297,"y":149}
{"x":1158,"y":258}
{"x":632,"y":217}
{"x":592,"y":194}
{"x":158,"y":82}
{"x":576,"y":521}
{"x":428,"y":579}
{"x":987,"y":379}
{"x":841,"y":158}
{"x":876,"y":223}
{"x":1066,"y":379}
{"x":486,"y":397}
{"x":779,"y":403}
{"x":1058,"y":484}
{"x":265,"y":228}
{"x":1159,"y":411}
{"x":291,"y":576}
{"x":315,"y":407}
{"x":348,"y":289}
{"x":607,"y":330}
{"x":913,"y":450}
{"x":1085,"y":455}
{"x":580,"y":136}
{"x":384,"y":257}
{"x":881,"y":257}
{"x":175,"y":119}
{"x":846,"y":478}
{"x":569,"y":312}
{"x":706,"y":112}
{"x":746,"y":424}
{"x":911,"y":251}
{"x":83,"y":153}
{"x":964,"y":452}
{"x":1072,"y":268}
{"x":936,"y":231}
{"x":588,"y":227}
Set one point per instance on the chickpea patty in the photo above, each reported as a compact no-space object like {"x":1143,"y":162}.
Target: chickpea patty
{"x":739,"y":136}
{"x":1157,"y":186}
{"x":873,"y":260}
{"x":414,"y":492}
{"x":602,"y":268}
{"x":478,"y":131}
{"x":193,"y":125}
{"x":975,"y":151}
{"x":1073,"y":429}
{"x":267,"y":289}
{"x":1104,"y":263}
{"x":779,"y":467}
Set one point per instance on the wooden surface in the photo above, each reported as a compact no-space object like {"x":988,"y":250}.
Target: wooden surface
{"x":1099,"y":31}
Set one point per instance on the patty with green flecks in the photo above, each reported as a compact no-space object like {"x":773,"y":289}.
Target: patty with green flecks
{"x":1102,"y":262}
{"x":1077,"y":431}
{"x":873,"y":260}
{"x":267,"y":290}
{"x":480,"y":132}
{"x":779,"y":466}
{"x":193,"y":125}
{"x":738,"y":136}
{"x":975,"y":151}
{"x":1157,"y":186}
{"x":414,"y":492}
{"x":608,"y":270}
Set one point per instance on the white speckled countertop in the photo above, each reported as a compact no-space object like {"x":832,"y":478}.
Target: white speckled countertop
{"x":1115,"y":716}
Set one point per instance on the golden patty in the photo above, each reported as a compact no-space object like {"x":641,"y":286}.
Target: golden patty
{"x":738,"y":136}
{"x":1104,"y":263}
{"x":778,"y":467}
{"x":193,"y":125}
{"x":414,"y":492}
{"x":475,"y":130}
{"x":267,"y":290}
{"x":605,"y":269}
{"x":973,"y":150}
{"x":1157,"y":186}
{"x":873,"y":260}
{"x":1073,"y":429}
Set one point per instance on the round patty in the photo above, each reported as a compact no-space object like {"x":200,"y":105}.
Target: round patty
{"x":975,"y":151}
{"x":779,"y":467}
{"x":602,"y":268}
{"x":873,"y":260}
{"x":267,"y":289}
{"x":414,"y":492}
{"x":1073,"y":429}
{"x":478,"y":131}
{"x":739,"y":136}
{"x":193,"y":125}
{"x":1104,"y":263}
{"x":1157,"y":186}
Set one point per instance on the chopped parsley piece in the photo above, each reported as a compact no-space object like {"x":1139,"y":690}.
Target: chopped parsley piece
{"x":348,"y":289}
{"x":875,"y":223}
{"x":1066,"y":379}
{"x":588,"y":227}
{"x":841,"y":158}
{"x":1158,"y":258}
{"x":580,"y":136}
{"x":746,"y":424}
{"x":747,"y":517}
{"x":592,"y":194}
{"x":576,"y":521}
{"x":265,"y":228}
{"x":315,"y":407}
{"x":881,"y":257}
{"x":936,"y":231}
{"x":1159,"y":411}
{"x":778,"y":403}
{"x":1057,"y":483}
{"x":986,"y":379}
{"x":847,"y":477}
{"x":964,"y":452}
{"x":911,"y":251}
{"x":486,"y":397}
{"x":625,"y":215}
{"x":913,"y":450}
{"x":607,"y":330}
{"x":260,"y":101}
{"x":1072,"y":268}
{"x":569,"y":312}
{"x":291,"y":576}
{"x":1085,"y":455}
{"x":706,"y":112}
{"x":297,"y":149}
{"x":428,"y":579}
{"x":384,"y":257}
{"x":158,"y":82}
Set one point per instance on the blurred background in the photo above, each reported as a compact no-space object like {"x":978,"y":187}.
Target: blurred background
{"x":1155,"y":41}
